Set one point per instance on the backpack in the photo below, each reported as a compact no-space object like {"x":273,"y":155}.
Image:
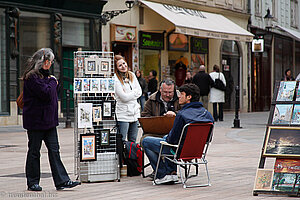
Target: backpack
{"x":219,"y":84}
{"x":133,"y":158}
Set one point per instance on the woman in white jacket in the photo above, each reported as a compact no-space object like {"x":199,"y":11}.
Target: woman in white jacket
{"x":127,"y":91}
{"x":216,"y":96}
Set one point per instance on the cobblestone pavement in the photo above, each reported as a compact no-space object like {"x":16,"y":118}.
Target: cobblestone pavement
{"x":233,"y":158}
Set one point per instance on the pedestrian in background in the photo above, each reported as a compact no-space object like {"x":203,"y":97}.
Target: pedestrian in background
{"x":217,"y":97}
{"x":127,"y":91}
{"x":204,"y":82}
{"x":40,"y":118}
{"x":188,"y":77}
{"x":152,"y":82}
{"x":288,"y":75}
{"x":144,"y":88}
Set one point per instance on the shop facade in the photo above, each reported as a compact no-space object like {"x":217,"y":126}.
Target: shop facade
{"x":275,"y":26}
{"x":166,"y":42}
{"x":31,"y":25}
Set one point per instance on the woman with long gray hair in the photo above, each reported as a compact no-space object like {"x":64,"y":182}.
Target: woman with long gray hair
{"x":40,"y":118}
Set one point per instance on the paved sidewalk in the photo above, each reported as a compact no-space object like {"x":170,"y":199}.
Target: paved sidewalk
{"x":233,"y":158}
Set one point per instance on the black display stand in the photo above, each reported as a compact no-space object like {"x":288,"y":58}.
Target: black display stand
{"x":271,"y":124}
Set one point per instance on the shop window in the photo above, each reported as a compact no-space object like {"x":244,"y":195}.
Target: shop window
{"x":150,"y":60}
{"x":34,"y":34}
{"x":4,"y":105}
{"x":75,"y":32}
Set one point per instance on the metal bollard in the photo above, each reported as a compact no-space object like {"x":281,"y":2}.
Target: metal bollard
{"x":236,"y":122}
{"x":68,"y":121}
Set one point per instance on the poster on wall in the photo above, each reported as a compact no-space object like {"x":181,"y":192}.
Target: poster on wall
{"x":178,"y":42}
{"x":123,"y":33}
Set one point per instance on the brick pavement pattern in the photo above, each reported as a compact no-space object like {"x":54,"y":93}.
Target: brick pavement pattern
{"x":233,"y":158}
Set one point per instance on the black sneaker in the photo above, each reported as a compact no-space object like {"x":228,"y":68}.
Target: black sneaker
{"x":68,"y":184}
{"x":35,"y":187}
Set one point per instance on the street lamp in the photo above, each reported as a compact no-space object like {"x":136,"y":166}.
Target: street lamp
{"x":268,"y":20}
{"x":108,"y":15}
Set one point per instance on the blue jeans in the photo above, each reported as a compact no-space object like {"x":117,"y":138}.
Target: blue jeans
{"x":151,"y":146}
{"x":141,"y":101}
{"x":129,"y":129}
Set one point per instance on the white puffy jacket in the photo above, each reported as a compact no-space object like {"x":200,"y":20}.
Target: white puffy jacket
{"x":127,"y":108}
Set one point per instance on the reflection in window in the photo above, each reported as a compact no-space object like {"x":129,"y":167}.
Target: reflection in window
{"x":230,"y":47}
{"x":3,"y":68}
{"x":75,"y":32}
{"x":34,"y":34}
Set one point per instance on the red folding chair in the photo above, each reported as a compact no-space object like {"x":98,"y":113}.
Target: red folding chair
{"x":189,"y":151}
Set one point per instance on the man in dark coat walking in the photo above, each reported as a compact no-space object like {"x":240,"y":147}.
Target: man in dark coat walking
{"x":204,"y":82}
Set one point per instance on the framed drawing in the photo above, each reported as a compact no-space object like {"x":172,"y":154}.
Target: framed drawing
{"x":86,"y":84}
{"x":286,"y":91}
{"x":286,"y":182}
{"x":97,"y":114}
{"x":298,"y":93}
{"x":104,"y":137}
{"x":282,"y":114}
{"x":80,"y":61}
{"x":105,"y":66}
{"x":77,"y":85}
{"x":107,"y":112}
{"x":111,"y":85}
{"x":94,"y":85}
{"x":91,"y":66}
{"x":296,"y":115}
{"x":282,"y":141}
{"x":88,"y":147}
{"x":103,"y":85}
{"x":263,"y":179}
{"x":85,"y":115}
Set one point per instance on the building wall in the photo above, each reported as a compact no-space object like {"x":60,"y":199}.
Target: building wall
{"x":235,"y":10}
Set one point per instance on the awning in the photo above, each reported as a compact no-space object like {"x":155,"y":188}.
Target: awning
{"x":292,"y":33}
{"x":198,"y":23}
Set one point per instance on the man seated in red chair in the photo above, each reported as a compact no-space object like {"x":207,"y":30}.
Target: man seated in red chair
{"x":191,"y":112}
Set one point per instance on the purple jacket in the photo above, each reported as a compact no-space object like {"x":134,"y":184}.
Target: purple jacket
{"x":40,"y":111}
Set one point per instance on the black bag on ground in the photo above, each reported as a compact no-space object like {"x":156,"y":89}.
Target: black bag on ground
{"x":133,"y":157}
{"x":219,"y":84}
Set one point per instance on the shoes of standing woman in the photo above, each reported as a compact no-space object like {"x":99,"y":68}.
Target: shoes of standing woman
{"x":68,"y":184}
{"x":35,"y":187}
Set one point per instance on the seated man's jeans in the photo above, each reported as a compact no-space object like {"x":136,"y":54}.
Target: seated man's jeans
{"x":151,"y":146}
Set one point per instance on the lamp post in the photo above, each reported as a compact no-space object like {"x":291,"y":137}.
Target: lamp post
{"x":108,"y":15}
{"x":268,"y":20}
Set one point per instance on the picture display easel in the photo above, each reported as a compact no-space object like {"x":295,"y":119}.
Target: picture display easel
{"x":281,"y":146}
{"x":95,"y":125}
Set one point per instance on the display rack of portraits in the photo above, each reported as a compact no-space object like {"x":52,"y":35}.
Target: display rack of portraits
{"x":281,"y":142}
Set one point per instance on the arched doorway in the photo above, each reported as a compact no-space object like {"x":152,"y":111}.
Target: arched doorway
{"x":231,"y":69}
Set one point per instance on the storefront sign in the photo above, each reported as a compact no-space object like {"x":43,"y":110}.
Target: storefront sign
{"x":121,"y":33}
{"x":199,"y":45}
{"x":178,"y":42}
{"x":258,"y":45}
{"x":149,"y":40}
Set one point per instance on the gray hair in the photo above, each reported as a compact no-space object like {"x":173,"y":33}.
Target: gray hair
{"x":202,"y":68}
{"x":36,"y":62}
{"x":167,"y":81}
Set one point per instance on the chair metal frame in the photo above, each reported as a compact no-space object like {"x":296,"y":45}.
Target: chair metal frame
{"x":195,"y":158}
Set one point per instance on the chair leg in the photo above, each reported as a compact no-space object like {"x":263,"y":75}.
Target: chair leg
{"x":158,"y":161}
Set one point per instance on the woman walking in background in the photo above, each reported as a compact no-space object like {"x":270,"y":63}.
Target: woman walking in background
{"x":144,"y":87}
{"x":216,"y":96}
{"x":40,"y":118}
{"x":152,"y":82}
{"x":127,"y":91}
